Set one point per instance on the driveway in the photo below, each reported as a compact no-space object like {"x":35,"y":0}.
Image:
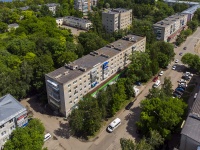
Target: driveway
{"x":108,"y":141}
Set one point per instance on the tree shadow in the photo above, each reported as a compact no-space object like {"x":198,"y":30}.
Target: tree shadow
{"x":132,"y":118}
{"x":63,"y":131}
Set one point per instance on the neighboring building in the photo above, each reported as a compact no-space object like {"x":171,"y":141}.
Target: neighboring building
{"x":12,"y":26}
{"x":116,"y":19}
{"x":170,"y":27}
{"x":24,"y":8}
{"x":84,"y":5}
{"x":77,"y":22}
{"x":59,"y":21}
{"x":172,"y":2}
{"x":68,"y":84}
{"x":190,"y":134}
{"x":190,"y":11}
{"x":52,"y":7}
{"x":12,"y":115}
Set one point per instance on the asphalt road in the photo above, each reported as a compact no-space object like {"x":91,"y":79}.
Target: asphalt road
{"x":108,"y":141}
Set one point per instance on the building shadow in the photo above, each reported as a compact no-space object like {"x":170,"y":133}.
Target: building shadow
{"x":132,"y":118}
{"x":63,"y":131}
{"x":37,"y":106}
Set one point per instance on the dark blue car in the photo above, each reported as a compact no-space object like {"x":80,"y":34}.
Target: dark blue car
{"x":180,"y":89}
{"x":138,"y":83}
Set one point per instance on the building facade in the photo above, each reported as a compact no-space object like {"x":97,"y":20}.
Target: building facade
{"x":116,"y":19}
{"x":52,"y":7}
{"x":84,"y":5}
{"x":190,"y":134}
{"x":170,"y":27}
{"x":68,"y":84}
{"x":12,"y":115}
{"x":77,"y":22}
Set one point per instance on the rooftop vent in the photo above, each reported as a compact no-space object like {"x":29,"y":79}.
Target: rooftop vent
{"x":195,"y":115}
{"x":106,"y":56}
{"x":110,"y":45}
{"x":161,"y":22}
{"x":92,"y":53}
{"x":66,"y":73}
{"x":58,"y":76}
{"x":117,"y":48}
{"x":95,"y":52}
{"x":71,"y":66}
{"x":83,"y":69}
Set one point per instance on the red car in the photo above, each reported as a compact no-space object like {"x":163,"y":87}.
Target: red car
{"x":155,"y":79}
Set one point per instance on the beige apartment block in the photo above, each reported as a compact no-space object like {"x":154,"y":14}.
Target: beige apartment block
{"x":116,"y":19}
{"x":67,"y":85}
{"x":170,"y":27}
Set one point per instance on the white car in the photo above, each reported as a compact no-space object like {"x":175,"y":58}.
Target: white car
{"x":174,"y":67}
{"x":47,"y":136}
{"x":184,"y":84}
{"x":182,"y":81}
{"x":161,"y":73}
{"x":176,"y":61}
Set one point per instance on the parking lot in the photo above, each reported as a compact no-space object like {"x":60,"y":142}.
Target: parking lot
{"x":58,"y":127}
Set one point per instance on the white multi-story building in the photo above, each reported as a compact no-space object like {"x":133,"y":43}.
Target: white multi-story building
{"x":116,"y":19}
{"x":52,"y":7}
{"x":170,"y":27}
{"x":74,"y":22}
{"x":68,"y":84}
{"x":84,"y":5}
{"x":12,"y":115}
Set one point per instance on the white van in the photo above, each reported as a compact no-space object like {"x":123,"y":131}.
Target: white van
{"x":114,"y":124}
{"x":157,"y":84}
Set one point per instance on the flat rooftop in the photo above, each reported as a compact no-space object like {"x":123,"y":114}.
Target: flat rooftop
{"x":86,"y":63}
{"x":77,"y":19}
{"x":186,"y":2}
{"x":191,"y":10}
{"x":191,"y":127}
{"x":115,"y":10}
{"x":169,"y":20}
{"x":9,"y":107}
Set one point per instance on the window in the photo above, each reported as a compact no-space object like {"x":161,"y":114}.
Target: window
{"x":74,"y":82}
{"x":69,"y":85}
{"x":81,"y":89}
{"x":10,"y":121}
{"x":1,"y":126}
{"x":85,"y":81}
{"x":80,"y":83}
{"x":85,"y":86}
{"x":3,"y":133}
{"x":70,"y":96}
{"x":70,"y":91}
{"x":13,"y":127}
{"x":70,"y":102}
{"x":80,"y":79}
{"x":75,"y":87}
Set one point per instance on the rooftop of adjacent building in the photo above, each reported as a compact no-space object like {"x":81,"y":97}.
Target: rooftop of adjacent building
{"x":186,"y":2}
{"x":52,"y":4}
{"x":87,"y":62}
{"x":13,"y":25}
{"x":169,"y":20}
{"x":24,"y":8}
{"x":191,"y":127}
{"x":115,"y":10}
{"x":9,"y":107}
{"x":77,"y":19}
{"x":191,"y":10}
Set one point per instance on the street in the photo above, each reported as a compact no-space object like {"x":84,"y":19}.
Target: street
{"x":110,"y":141}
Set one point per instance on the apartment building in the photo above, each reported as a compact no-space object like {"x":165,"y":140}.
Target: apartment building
{"x":84,"y":5}
{"x":52,"y":7}
{"x":190,"y":134}
{"x":12,"y":115}
{"x":170,"y":27}
{"x":13,"y":26}
{"x":68,"y":84}
{"x":116,"y":19}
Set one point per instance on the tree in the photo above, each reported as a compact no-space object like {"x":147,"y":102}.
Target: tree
{"x":193,"y":25}
{"x":161,"y":114}
{"x":3,"y":27}
{"x":193,"y":61}
{"x":167,"y":87}
{"x":44,"y":10}
{"x":155,"y":139}
{"x":127,"y":144}
{"x":29,"y":138}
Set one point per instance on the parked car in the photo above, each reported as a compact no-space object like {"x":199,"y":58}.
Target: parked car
{"x":155,"y":79}
{"x":176,"y":61}
{"x":182,"y":86}
{"x":176,"y":95}
{"x":161,"y":73}
{"x":178,"y":92}
{"x":138,"y":83}
{"x":47,"y":136}
{"x":174,"y":67}
{"x":186,"y":78}
{"x":180,"y":89}
{"x":195,"y":95}
{"x":129,"y":106}
{"x":182,"y":81}
{"x":184,"y":48}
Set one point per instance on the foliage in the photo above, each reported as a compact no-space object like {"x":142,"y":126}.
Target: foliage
{"x":192,"y":60}
{"x":153,"y":141}
{"x":3,"y":27}
{"x":161,"y":114}
{"x":30,"y":137}
{"x":140,"y":67}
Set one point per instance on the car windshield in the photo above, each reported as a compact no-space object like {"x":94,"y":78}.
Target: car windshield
{"x":110,"y":127}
